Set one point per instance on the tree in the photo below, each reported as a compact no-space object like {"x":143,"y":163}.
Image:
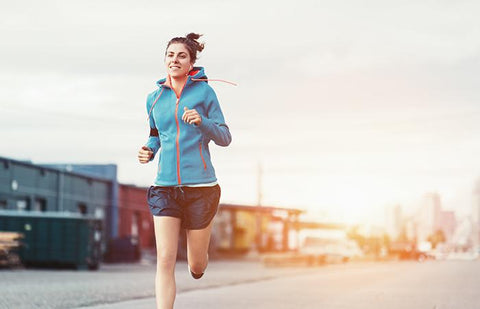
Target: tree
{"x":437,"y":238}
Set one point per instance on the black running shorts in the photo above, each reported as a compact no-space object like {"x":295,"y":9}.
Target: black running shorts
{"x":195,"y":206}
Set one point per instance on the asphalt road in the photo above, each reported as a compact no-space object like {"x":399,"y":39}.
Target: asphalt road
{"x":431,"y":285}
{"x":52,"y":289}
{"x":392,"y":285}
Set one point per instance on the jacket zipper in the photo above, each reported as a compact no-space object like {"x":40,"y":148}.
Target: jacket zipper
{"x":201,"y":155}
{"x":178,"y":132}
{"x":177,"y":142}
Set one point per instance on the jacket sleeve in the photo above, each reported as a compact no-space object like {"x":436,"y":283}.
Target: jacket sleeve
{"x":213,"y":124}
{"x":153,"y":141}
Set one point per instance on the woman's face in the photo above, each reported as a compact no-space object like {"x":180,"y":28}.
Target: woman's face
{"x":177,"y":60}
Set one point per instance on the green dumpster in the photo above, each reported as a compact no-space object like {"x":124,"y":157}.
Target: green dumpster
{"x":53,"y":238}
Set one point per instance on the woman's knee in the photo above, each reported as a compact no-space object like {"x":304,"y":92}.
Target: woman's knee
{"x":198,"y":265}
{"x":166,"y":260}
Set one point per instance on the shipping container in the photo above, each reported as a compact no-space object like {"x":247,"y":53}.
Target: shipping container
{"x":53,"y":238}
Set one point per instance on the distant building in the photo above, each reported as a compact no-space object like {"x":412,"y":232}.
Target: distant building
{"x":92,"y":190}
{"x":431,"y":219}
{"x":26,"y":187}
{"x":410,"y":229}
{"x":107,"y":172}
{"x":241,"y":228}
{"x":476,"y":216}
{"x":448,"y":224}
{"x":393,"y":221}
{"x":462,"y":239}
{"x":428,"y":216}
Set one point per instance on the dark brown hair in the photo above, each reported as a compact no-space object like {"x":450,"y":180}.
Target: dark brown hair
{"x":191,"y":43}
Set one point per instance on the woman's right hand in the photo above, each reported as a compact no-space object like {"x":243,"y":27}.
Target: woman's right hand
{"x":145,"y":154}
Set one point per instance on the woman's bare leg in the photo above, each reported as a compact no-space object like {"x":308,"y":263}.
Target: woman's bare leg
{"x":166,"y":236}
{"x":197,"y":248}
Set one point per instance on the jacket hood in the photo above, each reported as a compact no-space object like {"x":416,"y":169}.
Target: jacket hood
{"x":197,"y":74}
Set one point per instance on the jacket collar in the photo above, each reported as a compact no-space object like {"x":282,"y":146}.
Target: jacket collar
{"x":193,"y":75}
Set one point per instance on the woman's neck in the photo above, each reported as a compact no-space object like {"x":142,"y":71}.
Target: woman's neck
{"x":178,"y":83}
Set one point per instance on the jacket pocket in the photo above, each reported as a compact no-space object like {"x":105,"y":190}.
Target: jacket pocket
{"x":201,"y":155}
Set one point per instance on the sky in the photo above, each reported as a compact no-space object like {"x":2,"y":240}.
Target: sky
{"x":348,"y":107}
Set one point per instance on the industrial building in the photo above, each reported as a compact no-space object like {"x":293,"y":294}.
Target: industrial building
{"x":127,"y":226}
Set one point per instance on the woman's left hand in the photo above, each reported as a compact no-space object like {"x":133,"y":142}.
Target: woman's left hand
{"x":191,"y":116}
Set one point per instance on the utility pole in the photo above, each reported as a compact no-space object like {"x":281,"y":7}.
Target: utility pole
{"x":259,"y":183}
{"x":259,"y":205}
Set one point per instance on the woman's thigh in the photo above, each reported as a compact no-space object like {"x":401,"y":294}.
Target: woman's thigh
{"x":197,"y":242}
{"x":166,"y":237}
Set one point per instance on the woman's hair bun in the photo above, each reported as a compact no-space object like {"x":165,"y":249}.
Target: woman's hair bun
{"x":191,"y":43}
{"x":194,"y":37}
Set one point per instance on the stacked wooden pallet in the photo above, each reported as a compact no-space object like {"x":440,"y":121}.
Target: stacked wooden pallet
{"x":10,"y":243}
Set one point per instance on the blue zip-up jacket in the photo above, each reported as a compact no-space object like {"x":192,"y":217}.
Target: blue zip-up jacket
{"x":184,"y":156}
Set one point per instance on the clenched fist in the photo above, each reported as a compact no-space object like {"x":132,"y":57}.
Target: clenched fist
{"x":191,"y":116}
{"x":145,"y":154}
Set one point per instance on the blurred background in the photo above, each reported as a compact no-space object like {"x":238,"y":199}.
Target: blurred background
{"x":355,"y":131}
{"x":354,"y":123}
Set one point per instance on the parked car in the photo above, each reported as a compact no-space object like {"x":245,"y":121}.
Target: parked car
{"x":315,"y":251}
{"x":331,"y":251}
{"x":409,"y":251}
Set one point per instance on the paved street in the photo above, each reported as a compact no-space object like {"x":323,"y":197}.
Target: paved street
{"x":392,"y":285}
{"x":37,"y":288}
{"x":406,"y":285}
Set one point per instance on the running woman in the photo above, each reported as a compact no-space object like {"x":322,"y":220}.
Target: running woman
{"x":184,"y":116}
